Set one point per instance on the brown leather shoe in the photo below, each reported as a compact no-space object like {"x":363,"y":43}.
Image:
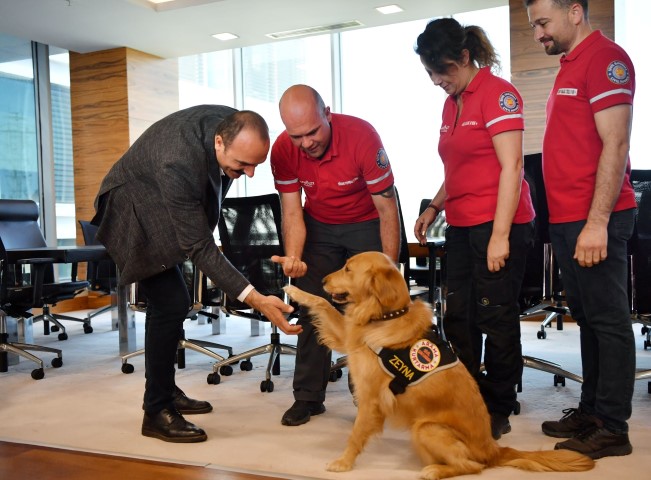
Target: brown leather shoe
{"x":189,"y":406}
{"x":170,"y":426}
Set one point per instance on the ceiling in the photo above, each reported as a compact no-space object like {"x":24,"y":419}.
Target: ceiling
{"x":185,"y":27}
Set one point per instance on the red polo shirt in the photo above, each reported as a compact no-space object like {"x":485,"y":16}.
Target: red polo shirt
{"x":339,"y":185}
{"x":491,"y":105}
{"x":596,"y":75}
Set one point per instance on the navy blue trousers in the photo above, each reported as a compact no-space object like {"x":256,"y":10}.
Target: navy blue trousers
{"x":598,"y":302}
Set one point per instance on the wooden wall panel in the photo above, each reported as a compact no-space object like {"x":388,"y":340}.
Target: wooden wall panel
{"x":533,"y":71}
{"x":116,"y":94}
{"x":100,"y":121}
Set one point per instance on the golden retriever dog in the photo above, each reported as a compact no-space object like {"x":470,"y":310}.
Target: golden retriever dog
{"x":449,"y":422}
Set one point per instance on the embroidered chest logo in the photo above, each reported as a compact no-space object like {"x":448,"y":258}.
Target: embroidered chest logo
{"x":618,"y":72}
{"x":509,"y":102}
{"x":382,"y":159}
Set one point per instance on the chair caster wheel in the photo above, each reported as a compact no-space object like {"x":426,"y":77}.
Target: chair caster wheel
{"x":38,"y":374}
{"x":88,"y":328}
{"x":213,"y":379}
{"x":266,"y":386}
{"x":335,"y":375}
{"x":645,"y":329}
{"x":54,"y":328}
{"x":246,"y":365}
{"x":127,"y":368}
{"x":541,"y":335}
{"x":559,"y":379}
{"x":63,"y":336}
{"x":226,"y":370}
{"x":57,"y":362}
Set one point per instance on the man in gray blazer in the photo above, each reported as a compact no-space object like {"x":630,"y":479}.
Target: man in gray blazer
{"x":156,"y":208}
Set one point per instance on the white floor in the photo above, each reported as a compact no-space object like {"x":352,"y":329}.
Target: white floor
{"x":90,"y":405}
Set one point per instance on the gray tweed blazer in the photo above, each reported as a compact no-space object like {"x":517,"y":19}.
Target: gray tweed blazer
{"x":160,"y":203}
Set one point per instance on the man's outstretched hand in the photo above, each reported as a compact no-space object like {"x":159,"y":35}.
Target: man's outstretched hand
{"x":274,"y":309}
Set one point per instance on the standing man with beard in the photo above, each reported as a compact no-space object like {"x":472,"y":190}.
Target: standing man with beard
{"x":591,"y":201}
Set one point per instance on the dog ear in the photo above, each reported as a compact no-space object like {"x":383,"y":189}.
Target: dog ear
{"x":388,"y":287}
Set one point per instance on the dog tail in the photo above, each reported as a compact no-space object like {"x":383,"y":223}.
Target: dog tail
{"x":544,"y":461}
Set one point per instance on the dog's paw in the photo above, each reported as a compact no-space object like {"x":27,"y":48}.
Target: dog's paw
{"x":339,"y":465}
{"x":302,"y":297}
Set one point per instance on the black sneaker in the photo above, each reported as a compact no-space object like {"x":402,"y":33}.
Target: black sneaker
{"x":301,"y":411}
{"x":571,"y":424}
{"x":598,"y":442}
{"x":499,"y":425}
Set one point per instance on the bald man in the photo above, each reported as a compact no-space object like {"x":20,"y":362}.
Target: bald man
{"x":339,"y":163}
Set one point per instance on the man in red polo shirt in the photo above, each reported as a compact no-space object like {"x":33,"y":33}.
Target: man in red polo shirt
{"x":339,"y":163}
{"x":591,"y":214}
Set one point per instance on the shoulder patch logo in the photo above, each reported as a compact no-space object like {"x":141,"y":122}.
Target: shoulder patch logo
{"x":509,"y":102}
{"x":424,"y":355}
{"x":618,"y":72}
{"x":382,"y":159}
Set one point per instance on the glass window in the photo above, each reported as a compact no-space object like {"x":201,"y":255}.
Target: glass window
{"x":384,"y":83}
{"x":630,"y":20}
{"x":18,"y":143}
{"x":206,"y":78}
{"x":267,"y":71}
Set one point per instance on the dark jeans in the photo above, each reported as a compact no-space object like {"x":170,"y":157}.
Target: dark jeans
{"x":168,"y":303}
{"x":598,"y":301}
{"x":480,"y":302}
{"x":327,"y":247}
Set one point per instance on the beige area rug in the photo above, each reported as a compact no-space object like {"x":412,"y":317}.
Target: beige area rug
{"x":89,"y":405}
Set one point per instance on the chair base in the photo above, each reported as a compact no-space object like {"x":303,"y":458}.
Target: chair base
{"x":20,"y":349}
{"x":553,"y":312}
{"x":273,"y":349}
{"x":199,"y":346}
{"x":55,"y":318}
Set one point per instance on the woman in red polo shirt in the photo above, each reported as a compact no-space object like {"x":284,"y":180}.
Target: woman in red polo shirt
{"x":488,"y":209}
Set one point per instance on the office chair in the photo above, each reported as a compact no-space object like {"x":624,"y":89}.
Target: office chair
{"x":194,"y":282}
{"x":20,"y":292}
{"x":640,"y":262}
{"x":542,"y":289}
{"x":250,"y":233}
{"x":19,"y":229}
{"x":102,"y":275}
{"x":539,"y":272}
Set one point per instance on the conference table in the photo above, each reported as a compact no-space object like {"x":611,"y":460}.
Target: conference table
{"x":123,"y":317}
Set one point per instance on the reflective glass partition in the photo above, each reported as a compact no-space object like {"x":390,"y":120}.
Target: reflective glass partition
{"x":384,"y":83}
{"x":631,"y":18}
{"x":18,"y":141}
{"x":267,"y":71}
{"x":372,"y":73}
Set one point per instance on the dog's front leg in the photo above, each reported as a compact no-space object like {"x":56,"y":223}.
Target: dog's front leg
{"x":369,"y":421}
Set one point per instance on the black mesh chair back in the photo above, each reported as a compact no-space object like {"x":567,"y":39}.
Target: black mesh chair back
{"x":250,"y":233}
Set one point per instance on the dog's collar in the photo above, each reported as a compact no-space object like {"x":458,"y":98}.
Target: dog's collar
{"x":393,"y":314}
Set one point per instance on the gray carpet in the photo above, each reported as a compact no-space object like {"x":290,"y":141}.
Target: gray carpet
{"x":89,"y":405}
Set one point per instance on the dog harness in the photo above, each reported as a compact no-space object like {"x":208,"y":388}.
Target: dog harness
{"x":413,"y":364}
